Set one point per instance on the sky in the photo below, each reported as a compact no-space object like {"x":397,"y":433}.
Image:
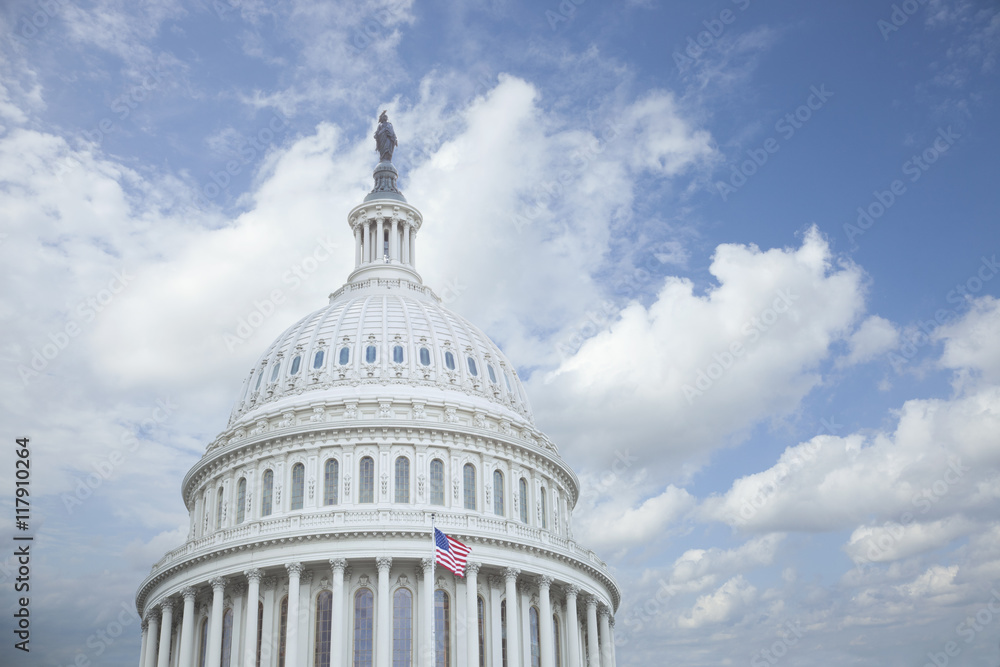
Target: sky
{"x":743,"y":253}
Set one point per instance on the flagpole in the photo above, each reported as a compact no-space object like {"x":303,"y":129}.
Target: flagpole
{"x":433,"y":620}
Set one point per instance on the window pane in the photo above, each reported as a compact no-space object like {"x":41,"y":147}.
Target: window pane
{"x":397,"y":354}
{"x":503,"y":632}
{"x":498,"y":493}
{"x":364,"y":623}
{"x":472,"y":367}
{"x":402,"y":628}
{"x":274,"y":371}
{"x":203,"y":645}
{"x":555,"y":634}
{"x":442,"y":630}
{"x":227,"y":637}
{"x":331,"y":478}
{"x":324,"y":610}
{"x":283,"y":632}
{"x":241,"y":500}
{"x":260,"y":376}
{"x":523,"y":487}
{"x":536,"y":651}
{"x":493,"y":375}
{"x":218,"y":511}
{"x":506,"y":381}
{"x":367,"y":482}
{"x":345,"y":355}
{"x":318,"y":359}
{"x":295,"y":365}
{"x":402,"y":480}
{"x":437,"y":482}
{"x":425,"y":356}
{"x":265,"y":495}
{"x":260,"y":629}
{"x":298,"y":485}
{"x":449,"y":360}
{"x":370,"y":354}
{"x":481,"y":609}
{"x":469,"y":479}
{"x":545,"y":517}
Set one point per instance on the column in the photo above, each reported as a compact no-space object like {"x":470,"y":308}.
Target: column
{"x":496,"y":630}
{"x":592,"y":644}
{"x":367,"y":241}
{"x":428,"y":640}
{"x":267,"y":627}
{"x":394,"y":240}
{"x":154,"y":635}
{"x":215,"y":623}
{"x":472,"y":612}
{"x":337,"y":616}
{"x":405,"y":250}
{"x":524,"y":599}
{"x":380,"y":245}
{"x":143,"y":642}
{"x":237,"y":592}
{"x":605,"y":629}
{"x":292,"y":630}
{"x":166,"y":625}
{"x":253,"y":576}
{"x":187,"y":627}
{"x":383,"y":625}
{"x":546,"y":638}
{"x":614,"y":659}
{"x":572,"y":626}
{"x":357,"y":246}
{"x":413,"y":248}
{"x":513,"y":629}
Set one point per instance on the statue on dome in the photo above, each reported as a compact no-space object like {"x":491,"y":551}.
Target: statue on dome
{"x":385,"y":138}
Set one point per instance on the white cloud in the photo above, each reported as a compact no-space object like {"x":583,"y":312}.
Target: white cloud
{"x":970,"y":344}
{"x":875,"y":336}
{"x":727,"y":603}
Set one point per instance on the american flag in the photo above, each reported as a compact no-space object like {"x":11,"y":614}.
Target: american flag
{"x":451,"y":553}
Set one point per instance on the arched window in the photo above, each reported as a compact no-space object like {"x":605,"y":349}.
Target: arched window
{"x":425,"y":357}
{"x":298,"y":485}
{"x":469,"y":484}
{"x":558,"y":640}
{"x":402,"y":480}
{"x":366,"y":482}
{"x":241,"y":499}
{"x":370,"y":354}
{"x":397,"y":354}
{"x":545,"y":514}
{"x":324,"y":611}
{"x":449,"y":360}
{"x":266,"y":493}
{"x":498,"y":493}
{"x":345,"y":355}
{"x":331,"y":478}
{"x":260,"y":376}
{"x":364,"y":623}
{"x":282,"y":631}
{"x":318,"y":359}
{"x":472,"y":367}
{"x":481,"y":618}
{"x":227,"y":637}
{"x":274,"y":371}
{"x":203,"y":644}
{"x":260,"y":628}
{"x":523,"y":488}
{"x":442,"y":630}
{"x":493,"y":375}
{"x":503,"y":632}
{"x":437,"y":482}
{"x":536,"y":651}
{"x":402,"y":628}
{"x":296,"y":362}
{"x":218,"y":508}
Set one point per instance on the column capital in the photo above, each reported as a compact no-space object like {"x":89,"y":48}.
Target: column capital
{"x":294,"y":569}
{"x":383,"y":563}
{"x":338,"y":564}
{"x":253,"y":574}
{"x":545,"y":582}
{"x":306,"y":577}
{"x":268,"y":583}
{"x":572,"y":591}
{"x":510,"y":573}
{"x":591,"y":600}
{"x":426,"y":564}
{"x":603,"y":612}
{"x":218,"y":584}
{"x":153,"y":616}
{"x":144,"y":625}
{"x":611,"y":620}
{"x":167,"y":605}
{"x":238,"y":588}
{"x":189,"y":593}
{"x":472,"y":567}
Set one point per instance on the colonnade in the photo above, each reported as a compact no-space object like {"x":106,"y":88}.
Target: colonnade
{"x":370,"y":241}
{"x":226,"y":632}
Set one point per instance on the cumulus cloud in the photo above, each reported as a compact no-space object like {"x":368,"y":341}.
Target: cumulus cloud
{"x":726,"y":604}
{"x":875,"y":336}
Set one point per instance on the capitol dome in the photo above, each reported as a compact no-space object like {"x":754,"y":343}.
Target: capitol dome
{"x":363,"y":426}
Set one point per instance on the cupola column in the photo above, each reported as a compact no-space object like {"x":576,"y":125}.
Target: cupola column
{"x":413,"y":248}
{"x":380,"y":245}
{"x":357,"y":246}
{"x":406,"y":244}
{"x":367,"y":242}
{"x":394,"y":240}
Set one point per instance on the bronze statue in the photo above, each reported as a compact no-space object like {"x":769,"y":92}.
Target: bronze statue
{"x":385,"y":138}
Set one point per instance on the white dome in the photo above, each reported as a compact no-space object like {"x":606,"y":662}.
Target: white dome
{"x":383,"y":336}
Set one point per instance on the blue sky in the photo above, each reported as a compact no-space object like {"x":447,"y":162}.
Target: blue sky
{"x":783,"y":416}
